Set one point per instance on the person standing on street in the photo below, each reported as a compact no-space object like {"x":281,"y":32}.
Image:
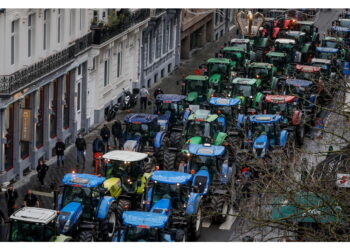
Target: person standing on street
{"x":42,"y":169}
{"x":97,"y":148}
{"x":60,"y":147}
{"x":80,"y":145}
{"x":158,"y":91}
{"x":11,"y":196}
{"x":105,"y":134}
{"x":30,"y":199}
{"x":117,"y":134}
{"x":143,"y":98}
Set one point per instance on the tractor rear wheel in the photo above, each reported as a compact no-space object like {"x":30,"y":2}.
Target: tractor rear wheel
{"x":122,"y":206}
{"x":196,"y":225}
{"x":160,"y":155}
{"x":180,"y":236}
{"x":220,"y":204}
{"x":175,"y":139}
{"x":108,"y":225}
{"x":86,"y":236}
{"x":169,"y":160}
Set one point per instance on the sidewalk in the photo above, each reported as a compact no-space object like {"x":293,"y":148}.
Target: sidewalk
{"x":55,"y":174}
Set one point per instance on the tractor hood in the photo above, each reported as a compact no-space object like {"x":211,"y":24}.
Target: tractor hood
{"x":113,"y":185}
{"x":195,"y":140}
{"x":192,"y":96}
{"x":131,"y":144}
{"x":215,"y":79}
{"x":260,"y":145}
{"x":68,"y":216}
{"x":163,"y":120}
{"x":162,"y":206}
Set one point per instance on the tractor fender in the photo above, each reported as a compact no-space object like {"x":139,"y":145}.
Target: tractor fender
{"x":225,"y":173}
{"x":193,"y":203}
{"x":312,"y":101}
{"x":69,"y":216}
{"x":274,"y":83}
{"x":220,"y":138}
{"x":296,"y":117}
{"x":240,"y":120}
{"x":59,"y":202}
{"x":147,"y":201}
{"x":186,"y":115}
{"x":258,"y":100}
{"x":159,"y":139}
{"x":283,"y":138}
{"x":103,"y":207}
{"x":222,"y":122}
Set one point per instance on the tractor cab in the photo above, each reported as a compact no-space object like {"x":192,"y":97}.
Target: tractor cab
{"x":32,"y":224}
{"x":307,"y":72}
{"x":237,"y":55}
{"x":263,"y":71}
{"x":196,"y":88}
{"x":219,"y":71}
{"x":326,"y":53}
{"x":280,"y":104}
{"x":226,"y":108}
{"x":287,"y":46}
{"x":308,"y":27}
{"x":245,"y":44}
{"x":342,"y":32}
{"x":332,"y":42}
{"x":203,"y":127}
{"x":343,"y":22}
{"x":279,"y":60}
{"x":248,"y":91}
{"x":126,"y":173}
{"x":169,"y":108}
{"x":298,"y":36}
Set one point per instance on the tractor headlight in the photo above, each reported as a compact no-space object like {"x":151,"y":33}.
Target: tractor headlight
{"x":66,"y":226}
{"x":251,"y":97}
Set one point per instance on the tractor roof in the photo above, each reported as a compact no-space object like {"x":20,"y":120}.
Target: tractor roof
{"x":196,"y":78}
{"x":219,"y":60}
{"x":285,"y":41}
{"x":171,"y":177}
{"x":241,"y":41}
{"x":307,"y":68}
{"x":276,"y":54}
{"x":340,"y":29}
{"x":234,"y":49}
{"x":333,"y":39}
{"x":327,"y":50}
{"x":320,"y":60}
{"x":34,"y":214}
{"x":344,"y":22}
{"x":140,"y":118}
{"x":279,"y":98}
{"x":295,"y":33}
{"x":82,"y":180}
{"x":261,"y":65}
{"x":170,"y":98}
{"x":202,"y":115}
{"x":306,"y":22}
{"x":144,"y":219}
{"x":298,"y":82}
{"x":218,"y":101}
{"x":264,"y":118}
{"x":121,"y":155}
{"x":247,"y":81}
{"x":206,"y":150}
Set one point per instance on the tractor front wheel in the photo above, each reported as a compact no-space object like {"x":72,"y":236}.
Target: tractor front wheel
{"x":122,"y":206}
{"x":196,"y":225}
{"x":169,"y":160}
{"x":86,"y":236}
{"x":175,"y":140}
{"x":221,"y":206}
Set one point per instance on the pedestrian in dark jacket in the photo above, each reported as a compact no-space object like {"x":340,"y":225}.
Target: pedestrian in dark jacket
{"x":158,"y":91}
{"x":117,"y":133}
{"x":42,"y":169}
{"x":11,"y":196}
{"x":105,"y":134}
{"x":60,"y":147}
{"x":80,"y":145}
{"x":30,"y":199}
{"x":97,"y":145}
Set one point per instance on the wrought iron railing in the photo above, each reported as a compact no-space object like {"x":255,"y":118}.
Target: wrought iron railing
{"x":24,"y":77}
{"x":102,"y":34}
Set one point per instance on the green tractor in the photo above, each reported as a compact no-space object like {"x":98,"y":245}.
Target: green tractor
{"x":308,"y":27}
{"x":280,"y":61}
{"x":239,"y":57}
{"x":196,"y":88}
{"x":264,"y":71}
{"x":287,"y":46}
{"x":307,"y":49}
{"x":249,"y":91}
{"x":246,"y":44}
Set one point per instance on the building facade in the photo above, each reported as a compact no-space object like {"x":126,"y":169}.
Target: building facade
{"x":160,"y":49}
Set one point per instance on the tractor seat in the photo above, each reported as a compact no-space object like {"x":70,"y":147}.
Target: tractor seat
{"x":200,"y":182}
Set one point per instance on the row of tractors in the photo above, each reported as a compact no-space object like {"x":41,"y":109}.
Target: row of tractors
{"x":254,"y":101}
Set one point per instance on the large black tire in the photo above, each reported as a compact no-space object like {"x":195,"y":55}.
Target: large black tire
{"x":122,"y":206}
{"x":221,"y":206}
{"x":300,"y":134}
{"x":196,"y":225}
{"x":180,"y":236}
{"x":160,"y":155}
{"x":175,"y":140}
{"x":169,"y":160}
{"x":108,"y":225}
{"x":86,"y":236}
{"x":148,"y":167}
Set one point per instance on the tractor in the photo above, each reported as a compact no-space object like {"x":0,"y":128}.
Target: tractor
{"x":180,"y":194}
{"x":126,"y":174}
{"x":264,"y":71}
{"x":246,"y":44}
{"x":280,"y":61}
{"x":35,"y":224}
{"x":341,"y":32}
{"x":196,"y":88}
{"x":288,"y":46}
{"x":85,"y":212}
{"x":249,"y":91}
{"x":215,"y":179}
{"x":308,"y":27}
{"x":238,"y":56}
{"x":332,"y":42}
{"x":140,"y":226}
{"x":293,"y":117}
{"x":143,"y":133}
{"x":307,"y":49}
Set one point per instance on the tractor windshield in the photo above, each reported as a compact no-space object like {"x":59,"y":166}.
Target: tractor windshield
{"x":34,"y":232}
{"x":323,"y":55}
{"x":310,"y":76}
{"x":242,"y":90}
{"x":329,"y":44}
{"x":171,"y":108}
{"x":124,"y":170}
{"x":197,"y":86}
{"x":137,"y":130}
{"x":136,"y":234}
{"x":284,"y":47}
{"x":199,"y":128}
{"x":217,"y":68}
{"x":268,"y":129}
{"x":207,"y":162}
{"x":176,"y":193}
{"x":255,"y":72}
{"x":279,"y":108}
{"x":234,"y":56}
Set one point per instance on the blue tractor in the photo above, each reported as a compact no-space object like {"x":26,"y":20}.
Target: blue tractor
{"x":85,"y":212}
{"x":152,"y":226}
{"x":143,"y":133}
{"x":180,"y":194}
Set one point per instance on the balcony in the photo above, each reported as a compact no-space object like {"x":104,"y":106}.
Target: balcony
{"x":102,"y":34}
{"x":10,"y":84}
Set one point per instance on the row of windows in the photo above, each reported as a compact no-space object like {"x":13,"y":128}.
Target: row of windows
{"x":46,"y":31}
{"x":107,"y":63}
